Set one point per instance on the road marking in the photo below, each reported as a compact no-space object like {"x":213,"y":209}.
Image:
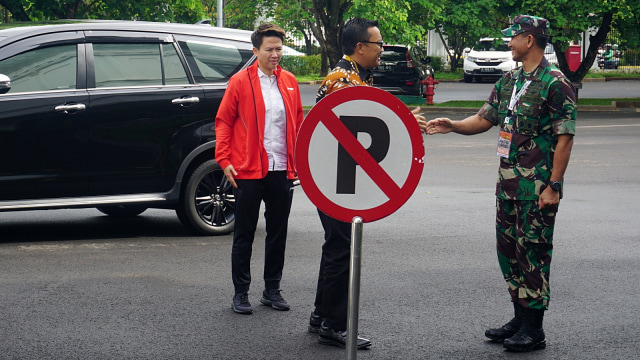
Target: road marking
{"x":605,"y":126}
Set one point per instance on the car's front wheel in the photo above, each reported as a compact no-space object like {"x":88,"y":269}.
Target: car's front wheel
{"x":468,"y":78}
{"x":207,"y":203}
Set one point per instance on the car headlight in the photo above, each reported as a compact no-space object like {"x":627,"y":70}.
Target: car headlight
{"x":471,"y":58}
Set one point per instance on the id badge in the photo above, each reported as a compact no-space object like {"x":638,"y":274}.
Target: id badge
{"x":504,"y":144}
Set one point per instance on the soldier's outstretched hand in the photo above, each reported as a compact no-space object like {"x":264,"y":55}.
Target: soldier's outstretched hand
{"x":439,"y":126}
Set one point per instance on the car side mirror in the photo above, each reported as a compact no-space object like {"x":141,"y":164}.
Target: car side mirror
{"x":466,"y":50}
{"x":5,"y":84}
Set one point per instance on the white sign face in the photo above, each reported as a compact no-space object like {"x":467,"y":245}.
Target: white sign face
{"x":359,"y":153}
{"x":324,"y":156}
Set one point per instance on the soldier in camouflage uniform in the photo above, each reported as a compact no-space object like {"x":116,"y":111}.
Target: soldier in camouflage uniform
{"x":535,"y":108}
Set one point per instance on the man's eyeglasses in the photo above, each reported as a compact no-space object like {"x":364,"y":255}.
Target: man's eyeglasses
{"x":374,"y":42}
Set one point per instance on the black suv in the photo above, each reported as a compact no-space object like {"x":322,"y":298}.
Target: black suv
{"x":401,"y":70}
{"x":117,"y":115}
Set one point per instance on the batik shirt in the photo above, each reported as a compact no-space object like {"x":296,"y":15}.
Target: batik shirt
{"x":346,"y":73}
{"x":545,"y":110}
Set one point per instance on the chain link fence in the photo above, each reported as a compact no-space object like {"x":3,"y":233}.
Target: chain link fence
{"x":614,"y":54}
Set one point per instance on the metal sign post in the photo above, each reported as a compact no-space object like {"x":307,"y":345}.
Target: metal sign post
{"x":354,"y":287}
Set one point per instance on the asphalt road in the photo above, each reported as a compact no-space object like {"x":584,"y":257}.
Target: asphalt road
{"x":447,"y":91}
{"x":75,"y":284}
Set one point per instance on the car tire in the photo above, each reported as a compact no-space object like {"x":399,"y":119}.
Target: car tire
{"x":207,"y":203}
{"x":468,"y":78}
{"x":122,"y":211}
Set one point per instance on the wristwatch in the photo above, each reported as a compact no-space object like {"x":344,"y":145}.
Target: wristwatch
{"x":555,"y":185}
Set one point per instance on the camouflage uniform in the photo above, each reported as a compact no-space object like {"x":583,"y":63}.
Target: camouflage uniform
{"x":525,"y":233}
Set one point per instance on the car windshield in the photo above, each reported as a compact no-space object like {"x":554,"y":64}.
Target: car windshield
{"x":495,"y":45}
{"x":393,"y":55}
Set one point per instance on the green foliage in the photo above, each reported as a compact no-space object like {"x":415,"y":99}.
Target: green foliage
{"x":401,"y":21}
{"x":436,"y":64}
{"x":241,"y":14}
{"x":464,"y":22}
{"x":302,"y":65}
{"x":186,"y":11}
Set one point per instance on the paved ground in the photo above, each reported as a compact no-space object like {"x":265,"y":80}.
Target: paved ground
{"x":75,"y":284}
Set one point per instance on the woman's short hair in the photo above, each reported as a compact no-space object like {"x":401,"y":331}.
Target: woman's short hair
{"x":266,"y":29}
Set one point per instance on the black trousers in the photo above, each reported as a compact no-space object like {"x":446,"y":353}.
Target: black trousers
{"x":276,"y":192}
{"x":332,"y":295}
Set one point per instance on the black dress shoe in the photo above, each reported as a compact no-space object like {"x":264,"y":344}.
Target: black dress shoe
{"x":507,"y":330}
{"x":339,"y":338}
{"x":315,"y":321}
{"x":502,"y":333}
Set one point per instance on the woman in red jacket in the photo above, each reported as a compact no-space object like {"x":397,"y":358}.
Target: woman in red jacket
{"x":256,"y":128}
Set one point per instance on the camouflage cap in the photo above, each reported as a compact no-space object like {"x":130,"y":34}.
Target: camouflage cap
{"x":532,"y":24}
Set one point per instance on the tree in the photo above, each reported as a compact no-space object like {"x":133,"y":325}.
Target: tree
{"x":188,"y":11}
{"x":242,"y":14}
{"x":402,"y":22}
{"x":463,"y":23}
{"x":329,"y":18}
{"x":569,"y":19}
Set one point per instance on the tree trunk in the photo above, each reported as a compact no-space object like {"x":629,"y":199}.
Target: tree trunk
{"x":324,"y":64}
{"x":592,"y":52}
{"x":16,"y":9}
{"x":327,"y":28}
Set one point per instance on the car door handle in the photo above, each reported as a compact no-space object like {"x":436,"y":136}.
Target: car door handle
{"x":186,"y":100}
{"x":66,"y":108}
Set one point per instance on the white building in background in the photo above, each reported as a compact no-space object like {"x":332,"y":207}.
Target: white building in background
{"x":435,"y":46}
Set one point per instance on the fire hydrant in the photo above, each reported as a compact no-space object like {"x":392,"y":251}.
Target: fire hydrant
{"x":429,"y":92}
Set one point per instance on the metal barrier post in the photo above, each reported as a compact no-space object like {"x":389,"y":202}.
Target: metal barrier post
{"x":354,"y":288}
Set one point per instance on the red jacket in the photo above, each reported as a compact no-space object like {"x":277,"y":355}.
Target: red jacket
{"x":240,"y":123}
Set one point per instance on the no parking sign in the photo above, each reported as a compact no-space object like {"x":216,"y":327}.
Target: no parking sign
{"x":359,"y":153}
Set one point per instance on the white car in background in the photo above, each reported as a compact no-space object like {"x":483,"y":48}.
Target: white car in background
{"x":489,"y":58}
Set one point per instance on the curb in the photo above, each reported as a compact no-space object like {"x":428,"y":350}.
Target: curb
{"x":603,"y":79}
{"x":581,"y":108}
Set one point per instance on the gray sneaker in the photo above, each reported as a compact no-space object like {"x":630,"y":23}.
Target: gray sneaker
{"x":241,"y":304}
{"x":272,"y":297}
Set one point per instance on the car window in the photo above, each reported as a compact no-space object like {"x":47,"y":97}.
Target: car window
{"x":173,"y":69}
{"x":391,"y":55}
{"x":496,"y":45}
{"x":211,"y":60}
{"x":127,"y":64}
{"x":131,"y":64}
{"x":50,"y":68}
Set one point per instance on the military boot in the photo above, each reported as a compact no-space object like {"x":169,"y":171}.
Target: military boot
{"x":507,"y":330}
{"x":530,"y":336}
